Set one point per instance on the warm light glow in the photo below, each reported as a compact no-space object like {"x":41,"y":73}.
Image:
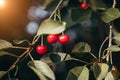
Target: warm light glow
{"x":2,"y":3}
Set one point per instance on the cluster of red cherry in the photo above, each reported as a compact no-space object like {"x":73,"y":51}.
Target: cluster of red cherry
{"x":52,"y":38}
{"x":84,"y":4}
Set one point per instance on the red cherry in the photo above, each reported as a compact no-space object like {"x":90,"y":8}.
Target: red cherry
{"x":84,"y":6}
{"x":52,"y":38}
{"x":63,"y":39}
{"x":41,"y":49}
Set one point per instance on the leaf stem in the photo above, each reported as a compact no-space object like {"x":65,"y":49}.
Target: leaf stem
{"x":42,"y":41}
{"x":93,"y":55}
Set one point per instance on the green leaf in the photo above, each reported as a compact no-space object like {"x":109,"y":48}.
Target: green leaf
{"x":55,"y":57}
{"x":78,"y":73}
{"x":117,"y":37}
{"x":50,"y":26}
{"x":79,"y":15}
{"x":113,"y":48}
{"x":81,"y":47}
{"x":41,"y":69}
{"x":2,"y":73}
{"x":110,"y":15}
{"x":100,"y":70}
{"x":5,"y":44}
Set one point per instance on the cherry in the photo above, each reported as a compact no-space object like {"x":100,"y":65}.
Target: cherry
{"x":41,"y":49}
{"x":52,"y":38}
{"x":63,"y":39}
{"x":84,"y":6}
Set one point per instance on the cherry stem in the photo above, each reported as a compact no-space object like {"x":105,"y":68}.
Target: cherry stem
{"x":59,"y":15}
{"x":62,"y":33}
{"x":42,"y":40}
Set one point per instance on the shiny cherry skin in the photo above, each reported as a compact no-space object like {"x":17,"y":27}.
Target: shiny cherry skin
{"x":63,"y":39}
{"x":84,"y":5}
{"x":41,"y":49}
{"x":52,"y":38}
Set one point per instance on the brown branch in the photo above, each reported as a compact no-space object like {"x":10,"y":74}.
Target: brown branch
{"x":17,"y":60}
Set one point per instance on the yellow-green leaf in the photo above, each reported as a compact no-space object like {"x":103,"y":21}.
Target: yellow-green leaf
{"x":113,"y":48}
{"x":55,"y":57}
{"x":4,"y":44}
{"x":109,"y":76}
{"x":117,"y":37}
{"x":81,"y":47}
{"x":41,"y":69}
{"x":100,"y":70}
{"x":50,"y":26}
{"x":110,"y":15}
{"x":78,"y":73}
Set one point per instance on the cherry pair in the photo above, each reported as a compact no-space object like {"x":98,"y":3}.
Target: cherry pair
{"x":53,"y":38}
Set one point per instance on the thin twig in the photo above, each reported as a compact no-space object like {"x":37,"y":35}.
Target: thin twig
{"x":30,"y":56}
{"x":110,"y":42}
{"x":56,"y":9}
{"x":14,"y":64}
{"x":100,"y":50}
{"x":17,"y":47}
{"x":13,"y":55}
